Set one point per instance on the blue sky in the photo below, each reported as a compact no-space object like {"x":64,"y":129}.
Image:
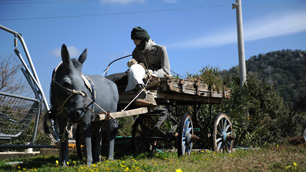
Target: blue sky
{"x":197,"y":33}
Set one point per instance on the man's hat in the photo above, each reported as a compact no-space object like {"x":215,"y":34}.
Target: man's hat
{"x":140,"y":33}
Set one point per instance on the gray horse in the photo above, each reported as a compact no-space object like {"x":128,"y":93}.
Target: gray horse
{"x":77,"y":98}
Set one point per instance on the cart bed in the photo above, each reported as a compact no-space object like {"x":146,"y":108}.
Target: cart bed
{"x":179,"y":91}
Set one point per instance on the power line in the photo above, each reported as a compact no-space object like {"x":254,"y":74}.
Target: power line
{"x":131,"y":12}
{"x":107,"y":14}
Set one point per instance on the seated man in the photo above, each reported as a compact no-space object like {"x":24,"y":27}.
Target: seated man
{"x":149,"y":58}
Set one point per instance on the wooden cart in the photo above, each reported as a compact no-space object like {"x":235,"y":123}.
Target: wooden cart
{"x":171,"y":95}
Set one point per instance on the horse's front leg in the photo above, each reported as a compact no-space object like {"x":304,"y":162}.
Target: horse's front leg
{"x":112,"y":130}
{"x":63,"y":151}
{"x":86,"y":127}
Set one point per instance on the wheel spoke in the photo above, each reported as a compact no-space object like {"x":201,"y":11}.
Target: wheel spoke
{"x":220,"y":127}
{"x":229,"y":146}
{"x":225,"y":122}
{"x":219,"y":146}
{"x":138,"y":130}
{"x":224,"y":147}
{"x":218,"y":140}
{"x":227,"y":127}
{"x":183,"y":149}
{"x":189,"y":130}
{"x":187,"y":123}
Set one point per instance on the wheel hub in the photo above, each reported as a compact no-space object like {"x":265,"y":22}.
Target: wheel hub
{"x":224,"y":135}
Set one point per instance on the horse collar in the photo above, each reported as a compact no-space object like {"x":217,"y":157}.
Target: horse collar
{"x":90,"y":85}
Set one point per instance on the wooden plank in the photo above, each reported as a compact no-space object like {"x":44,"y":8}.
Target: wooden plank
{"x":184,"y":86}
{"x":188,"y":98}
{"x":132,"y":112}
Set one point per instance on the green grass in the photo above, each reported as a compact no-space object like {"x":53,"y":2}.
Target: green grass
{"x":272,"y":158}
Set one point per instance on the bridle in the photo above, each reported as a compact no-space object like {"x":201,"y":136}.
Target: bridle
{"x":74,"y":92}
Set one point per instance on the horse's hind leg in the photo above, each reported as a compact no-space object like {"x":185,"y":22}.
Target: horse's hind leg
{"x":112,"y":129}
{"x":63,"y":151}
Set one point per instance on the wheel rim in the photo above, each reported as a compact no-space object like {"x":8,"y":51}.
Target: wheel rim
{"x":187,"y":132}
{"x":223,"y":132}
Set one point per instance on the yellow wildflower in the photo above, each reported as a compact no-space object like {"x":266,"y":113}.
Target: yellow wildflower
{"x":178,"y":170}
{"x":56,"y":162}
{"x":294,"y":163}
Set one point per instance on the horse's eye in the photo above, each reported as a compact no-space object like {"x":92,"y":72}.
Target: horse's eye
{"x":66,"y":84}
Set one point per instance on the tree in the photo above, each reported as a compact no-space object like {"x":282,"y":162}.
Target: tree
{"x":266,"y":122}
{"x":10,"y":81}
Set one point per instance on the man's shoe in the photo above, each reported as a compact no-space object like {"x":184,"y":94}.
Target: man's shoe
{"x":147,"y":101}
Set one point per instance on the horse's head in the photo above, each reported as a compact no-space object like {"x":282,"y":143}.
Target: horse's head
{"x":68,"y":88}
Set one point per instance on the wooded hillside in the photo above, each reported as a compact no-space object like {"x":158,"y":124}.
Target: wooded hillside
{"x":285,"y":70}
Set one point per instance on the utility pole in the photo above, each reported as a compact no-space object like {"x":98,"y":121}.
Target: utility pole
{"x":242,"y":68}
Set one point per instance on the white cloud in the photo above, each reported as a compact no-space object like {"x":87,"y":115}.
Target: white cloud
{"x":122,"y":1}
{"x":275,"y":26}
{"x":261,"y":28}
{"x":73,"y":51}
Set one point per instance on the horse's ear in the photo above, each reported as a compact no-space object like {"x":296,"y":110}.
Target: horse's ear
{"x":83,"y":56}
{"x":65,"y":54}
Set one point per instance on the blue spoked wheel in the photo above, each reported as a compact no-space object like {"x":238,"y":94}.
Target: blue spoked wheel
{"x":223,"y":135}
{"x":185,"y":135}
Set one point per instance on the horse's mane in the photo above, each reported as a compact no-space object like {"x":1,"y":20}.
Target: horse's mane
{"x":51,"y":93}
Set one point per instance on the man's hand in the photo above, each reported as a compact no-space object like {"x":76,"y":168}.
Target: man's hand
{"x":150,"y":73}
{"x":131,"y":62}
